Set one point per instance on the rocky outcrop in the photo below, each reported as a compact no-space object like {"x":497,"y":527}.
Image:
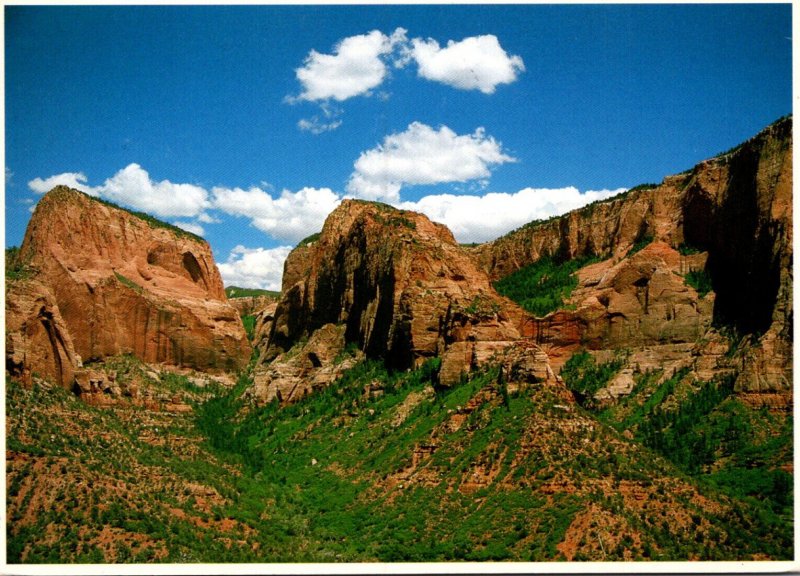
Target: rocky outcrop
{"x":112,"y":282}
{"x":734,"y":210}
{"x":251,"y":305}
{"x":262,"y":327}
{"x":311,"y":367}
{"x":400,"y":287}
{"x":37,"y":338}
{"x":642,"y":300}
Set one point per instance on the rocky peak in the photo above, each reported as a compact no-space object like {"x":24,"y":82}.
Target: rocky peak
{"x":116,"y":282}
{"x":400,"y":286}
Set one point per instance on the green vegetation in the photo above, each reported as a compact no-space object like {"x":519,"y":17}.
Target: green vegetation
{"x":645,"y":186}
{"x":16,"y":269}
{"x":584,"y":377}
{"x":543,"y":286}
{"x":687,"y":250}
{"x":128,"y":282}
{"x":711,"y":435}
{"x":483,"y":307}
{"x":388,"y":466}
{"x":645,"y":240}
{"x":236,"y":292}
{"x":114,"y":484}
{"x":309,"y":239}
{"x":700,"y":280}
{"x":394,"y":217}
{"x":249,"y":322}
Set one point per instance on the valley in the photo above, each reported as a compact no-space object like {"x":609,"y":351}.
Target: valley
{"x":614,"y":384}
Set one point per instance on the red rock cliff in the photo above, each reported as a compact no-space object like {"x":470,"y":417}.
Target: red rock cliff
{"x":400,"y":285}
{"x":124,"y":285}
{"x":736,"y":209}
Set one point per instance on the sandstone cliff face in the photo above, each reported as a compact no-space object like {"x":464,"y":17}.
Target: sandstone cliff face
{"x":251,"y":305}
{"x":401,"y":288}
{"x":37,"y":338}
{"x":122,"y":286}
{"x":642,"y":300}
{"x":735,"y":210}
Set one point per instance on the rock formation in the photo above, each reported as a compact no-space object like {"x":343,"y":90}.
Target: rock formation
{"x":641,"y":300}
{"x":104,"y":282}
{"x":732,"y":213}
{"x":37,"y":338}
{"x":400,"y":287}
{"x":251,"y":305}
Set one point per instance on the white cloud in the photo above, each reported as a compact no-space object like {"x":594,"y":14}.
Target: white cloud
{"x":192,"y":227}
{"x":207,"y":219}
{"x":317,"y":126}
{"x":327,"y":122}
{"x":475,"y":63}
{"x":254,"y":267}
{"x":357,"y":66}
{"x":484,"y":218}
{"x":290,"y":217}
{"x":133,"y":187}
{"x":422,"y":155}
{"x":76,"y":180}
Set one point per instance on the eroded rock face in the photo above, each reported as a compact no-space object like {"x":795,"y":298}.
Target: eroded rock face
{"x":121,"y":285}
{"x":37,"y":338}
{"x":301,"y":371}
{"x":401,"y":287}
{"x":640,"y":301}
{"x":251,"y":305}
{"x":736,"y":210}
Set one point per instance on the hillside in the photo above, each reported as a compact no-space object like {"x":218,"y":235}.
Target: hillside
{"x":396,"y":471}
{"x":613,"y":384}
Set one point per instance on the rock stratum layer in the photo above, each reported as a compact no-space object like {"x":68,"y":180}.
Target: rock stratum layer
{"x":102,"y":281}
{"x":730,"y":216}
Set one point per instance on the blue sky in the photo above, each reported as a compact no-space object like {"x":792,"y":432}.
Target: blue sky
{"x":249,"y":124}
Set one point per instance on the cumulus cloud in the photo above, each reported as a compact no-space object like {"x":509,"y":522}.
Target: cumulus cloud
{"x":475,"y":63}
{"x":254,"y":267}
{"x":483,"y":218}
{"x":133,"y":187}
{"x":357,"y":65}
{"x":290,"y":217}
{"x":76,"y":180}
{"x":423,"y":155}
{"x":208,"y":219}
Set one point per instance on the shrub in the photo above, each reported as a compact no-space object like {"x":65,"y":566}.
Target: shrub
{"x":309,"y":239}
{"x":249,"y":322}
{"x":585,"y":377}
{"x":16,"y":269}
{"x":645,"y":240}
{"x":237,"y":292}
{"x":128,"y":282}
{"x":700,"y":280}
